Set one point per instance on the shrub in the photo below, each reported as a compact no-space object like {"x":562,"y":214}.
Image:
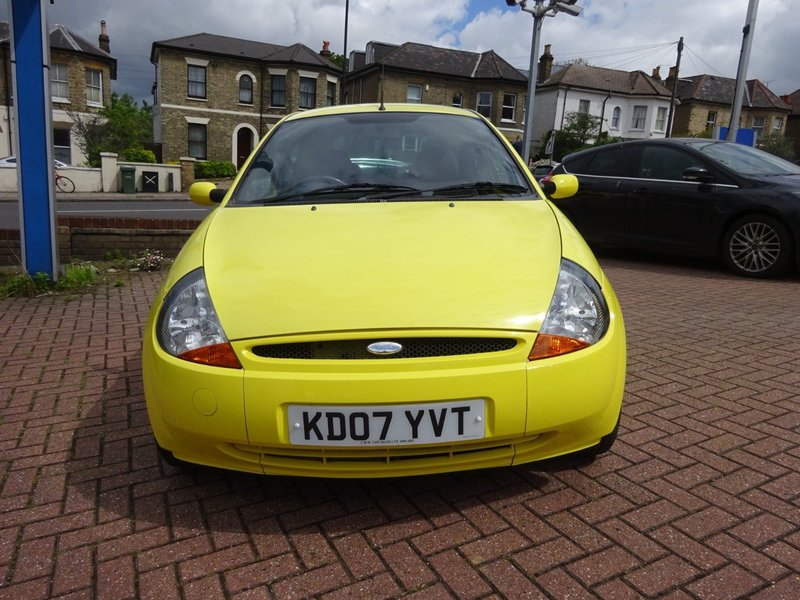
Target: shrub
{"x":214,"y":169}
{"x":150,"y":260}
{"x":138,"y":154}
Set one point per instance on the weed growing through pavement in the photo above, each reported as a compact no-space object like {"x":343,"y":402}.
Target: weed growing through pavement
{"x":150,"y":260}
{"x":75,"y":277}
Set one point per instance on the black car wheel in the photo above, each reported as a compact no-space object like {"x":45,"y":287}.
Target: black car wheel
{"x":757,"y":246}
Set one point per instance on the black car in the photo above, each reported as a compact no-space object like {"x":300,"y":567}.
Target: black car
{"x":691,"y":197}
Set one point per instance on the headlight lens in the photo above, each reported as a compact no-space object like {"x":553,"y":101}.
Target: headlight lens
{"x":577,"y":317}
{"x":188,"y":326}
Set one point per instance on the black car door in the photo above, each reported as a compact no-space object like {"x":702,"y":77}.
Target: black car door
{"x":670,"y":212}
{"x":600,"y":208}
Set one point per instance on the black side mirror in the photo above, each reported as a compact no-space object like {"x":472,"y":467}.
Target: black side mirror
{"x":698,"y":174}
{"x":217,"y":195}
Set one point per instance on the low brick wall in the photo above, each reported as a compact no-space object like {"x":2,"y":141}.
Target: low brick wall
{"x":93,"y":238}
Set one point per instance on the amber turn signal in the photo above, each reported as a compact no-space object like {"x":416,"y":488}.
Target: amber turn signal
{"x":216,"y":355}
{"x":547,"y":345}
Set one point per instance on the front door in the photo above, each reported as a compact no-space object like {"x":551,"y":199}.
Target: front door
{"x":244,"y":146}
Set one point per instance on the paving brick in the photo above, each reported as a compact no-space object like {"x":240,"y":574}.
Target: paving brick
{"x":510,"y":582}
{"x":116,"y":579}
{"x":407,"y":565}
{"x":160,"y":584}
{"x":660,"y":576}
{"x":215,"y":562}
{"x":355,"y":552}
{"x":729,"y":582}
{"x":261,"y":573}
{"x":443,"y":538}
{"x":459,"y":575}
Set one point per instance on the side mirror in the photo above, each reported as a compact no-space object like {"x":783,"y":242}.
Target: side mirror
{"x":698,"y":174}
{"x":561,"y":186}
{"x":206,"y":193}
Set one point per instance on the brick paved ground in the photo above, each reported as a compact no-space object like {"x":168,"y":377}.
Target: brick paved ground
{"x":700,"y":497}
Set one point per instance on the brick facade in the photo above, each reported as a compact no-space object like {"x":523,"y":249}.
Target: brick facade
{"x":228,"y":121}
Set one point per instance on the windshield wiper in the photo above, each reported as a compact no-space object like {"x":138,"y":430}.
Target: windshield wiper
{"x":481,"y":188}
{"x":352,"y":188}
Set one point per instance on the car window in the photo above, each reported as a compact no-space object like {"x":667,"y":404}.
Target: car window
{"x":746,"y":160}
{"x":415,"y":151}
{"x":662,"y":162}
{"x":611,"y":161}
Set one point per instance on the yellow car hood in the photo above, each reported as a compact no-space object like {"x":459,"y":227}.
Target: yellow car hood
{"x":277,"y":270}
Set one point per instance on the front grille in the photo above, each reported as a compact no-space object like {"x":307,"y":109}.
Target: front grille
{"x":357,"y":349}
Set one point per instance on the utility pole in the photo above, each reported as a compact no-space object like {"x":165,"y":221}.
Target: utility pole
{"x":674,"y":88}
{"x":741,"y":72}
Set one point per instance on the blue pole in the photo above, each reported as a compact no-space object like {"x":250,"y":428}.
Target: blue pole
{"x":30,"y":59}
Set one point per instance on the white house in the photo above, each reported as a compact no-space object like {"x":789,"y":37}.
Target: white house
{"x":631,"y":105}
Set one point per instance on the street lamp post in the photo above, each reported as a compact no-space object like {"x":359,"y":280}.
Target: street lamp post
{"x":539,"y":9}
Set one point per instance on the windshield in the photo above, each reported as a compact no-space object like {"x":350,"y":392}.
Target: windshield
{"x":746,"y":160}
{"x":379,"y":156}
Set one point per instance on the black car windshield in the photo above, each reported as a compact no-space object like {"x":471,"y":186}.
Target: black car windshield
{"x":746,"y":160}
{"x":377,"y":156}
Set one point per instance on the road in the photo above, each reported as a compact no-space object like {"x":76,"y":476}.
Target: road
{"x":163,"y":209}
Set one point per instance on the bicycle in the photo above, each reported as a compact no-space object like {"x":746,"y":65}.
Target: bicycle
{"x":64,"y":183}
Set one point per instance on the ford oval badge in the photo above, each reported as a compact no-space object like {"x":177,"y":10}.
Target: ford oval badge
{"x":384,"y":348}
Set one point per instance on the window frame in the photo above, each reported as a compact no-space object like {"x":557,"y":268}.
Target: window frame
{"x":758,"y":130}
{"x":243,"y":88}
{"x":488,"y":106}
{"x":305,"y":95}
{"x":277,"y":91}
{"x":458,"y":100}
{"x":411,"y":99}
{"x":639,"y":117}
{"x":512,"y":106}
{"x":330,"y":93}
{"x":197,"y":127}
{"x":711,"y":119}
{"x":616,"y":117}
{"x":92,"y":86}
{"x":193,"y":85}
{"x":584,"y":106}
{"x":55,"y":71}
{"x":661,"y":118}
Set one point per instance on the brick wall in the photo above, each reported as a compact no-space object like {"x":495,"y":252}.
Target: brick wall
{"x":92,"y":238}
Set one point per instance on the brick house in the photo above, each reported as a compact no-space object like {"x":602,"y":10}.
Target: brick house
{"x":793,"y":120}
{"x":419,"y":73}
{"x":630,"y":104}
{"x":80,"y":84}
{"x":705,"y":103}
{"x":215,"y":96}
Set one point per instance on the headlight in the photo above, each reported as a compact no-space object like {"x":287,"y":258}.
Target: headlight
{"x":188,"y":326}
{"x":577,"y":317}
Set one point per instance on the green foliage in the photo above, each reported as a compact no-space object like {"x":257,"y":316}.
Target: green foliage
{"x":120,"y":126}
{"x":150,"y":260}
{"x":578,"y":129}
{"x":76,"y":277}
{"x":777,"y":144}
{"x":338,"y":59}
{"x":214,"y":169}
{"x":138,"y":154}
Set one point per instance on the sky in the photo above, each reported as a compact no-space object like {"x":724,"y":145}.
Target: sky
{"x":620,"y":34}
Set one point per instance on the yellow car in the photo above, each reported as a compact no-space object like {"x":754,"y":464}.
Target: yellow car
{"x":384,"y":291}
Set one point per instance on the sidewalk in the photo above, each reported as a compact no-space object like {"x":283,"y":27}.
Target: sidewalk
{"x":106,"y":196}
{"x":699,"y":498}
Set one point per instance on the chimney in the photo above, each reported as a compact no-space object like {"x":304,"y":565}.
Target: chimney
{"x":103,"y":39}
{"x":325,"y":49}
{"x":545,"y":65}
{"x":656,"y":74}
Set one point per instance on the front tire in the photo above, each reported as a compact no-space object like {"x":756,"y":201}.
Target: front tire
{"x":758,"y":246}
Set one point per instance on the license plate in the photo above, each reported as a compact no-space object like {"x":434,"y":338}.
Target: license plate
{"x":378,"y":425}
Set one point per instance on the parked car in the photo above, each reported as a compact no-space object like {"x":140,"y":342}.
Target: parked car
{"x":11,"y":161}
{"x":385,"y":291}
{"x":693,"y":197}
{"x":542,"y":168}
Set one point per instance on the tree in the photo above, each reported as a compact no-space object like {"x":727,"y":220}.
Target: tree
{"x":578,"y":129}
{"x":777,"y":144}
{"x":120,"y":126}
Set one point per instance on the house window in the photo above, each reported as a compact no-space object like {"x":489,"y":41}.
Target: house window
{"x":777,"y":124}
{"x":524,"y":108}
{"x":661,"y":118}
{"x":62,"y":146}
{"x":458,"y":100}
{"x":758,"y":126}
{"x":331,"y":95}
{"x":583,"y":107}
{"x":246,"y":89}
{"x":308,"y":92}
{"x":615,"y":117}
{"x":278,"y":96}
{"x":484,"y":105}
{"x":198,"y":140}
{"x":197,"y":82}
{"x":94,"y":87}
{"x":711,"y":119}
{"x":509,"y":107}
{"x":639,"y":117}
{"x":59,"y":82}
{"x":413,"y":94}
